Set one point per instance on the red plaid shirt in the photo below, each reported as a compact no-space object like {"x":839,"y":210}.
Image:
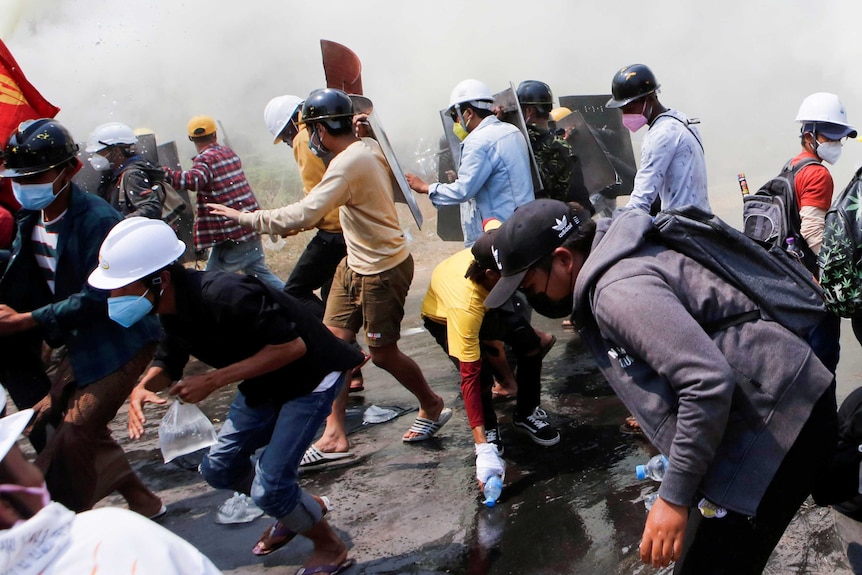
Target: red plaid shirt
{"x":217,"y":177}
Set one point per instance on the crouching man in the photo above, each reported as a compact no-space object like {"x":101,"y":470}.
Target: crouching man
{"x":290,"y":367}
{"x":743,"y":410}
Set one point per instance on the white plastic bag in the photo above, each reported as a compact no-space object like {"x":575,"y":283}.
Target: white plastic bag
{"x":184,"y":429}
{"x":374,"y":414}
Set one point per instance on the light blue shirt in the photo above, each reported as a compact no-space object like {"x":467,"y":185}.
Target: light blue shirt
{"x":673,"y":167}
{"x":494,"y":177}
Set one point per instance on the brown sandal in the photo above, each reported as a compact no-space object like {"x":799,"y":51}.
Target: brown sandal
{"x":277,"y":535}
{"x":274,"y":538}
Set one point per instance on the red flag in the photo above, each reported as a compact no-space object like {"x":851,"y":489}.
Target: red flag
{"x":19,"y":100}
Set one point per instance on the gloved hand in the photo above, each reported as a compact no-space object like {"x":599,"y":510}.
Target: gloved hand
{"x":488,"y":463}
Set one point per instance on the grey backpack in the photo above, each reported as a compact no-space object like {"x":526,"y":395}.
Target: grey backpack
{"x":770,"y":215}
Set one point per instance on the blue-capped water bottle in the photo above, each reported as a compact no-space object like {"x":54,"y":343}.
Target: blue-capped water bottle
{"x":653,"y":469}
{"x":493,"y":489}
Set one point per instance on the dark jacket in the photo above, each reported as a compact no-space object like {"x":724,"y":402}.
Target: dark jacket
{"x":129,"y":189}
{"x":75,"y":315}
{"x":725,"y":407}
{"x":222,"y":318}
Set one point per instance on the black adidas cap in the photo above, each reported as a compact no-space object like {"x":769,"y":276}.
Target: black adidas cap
{"x":534,"y":231}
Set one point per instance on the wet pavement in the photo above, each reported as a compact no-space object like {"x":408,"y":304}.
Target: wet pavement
{"x":415,"y":508}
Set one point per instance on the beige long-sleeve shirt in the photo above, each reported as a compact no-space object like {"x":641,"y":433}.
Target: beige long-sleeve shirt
{"x":359,"y":183}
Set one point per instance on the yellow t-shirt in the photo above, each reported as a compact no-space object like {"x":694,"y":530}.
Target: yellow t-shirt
{"x":311,"y":170}
{"x":459,"y":303}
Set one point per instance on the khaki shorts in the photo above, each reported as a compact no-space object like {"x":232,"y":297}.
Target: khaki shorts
{"x":375,"y":302}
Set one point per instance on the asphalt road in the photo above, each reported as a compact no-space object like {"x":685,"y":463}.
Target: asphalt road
{"x":415,"y":508}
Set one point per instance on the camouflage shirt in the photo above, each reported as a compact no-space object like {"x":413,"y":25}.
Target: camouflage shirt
{"x":554,"y":157}
{"x":558,"y":167}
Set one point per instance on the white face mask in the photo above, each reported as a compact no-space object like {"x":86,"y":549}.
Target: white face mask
{"x":829,"y":151}
{"x":100,"y":163}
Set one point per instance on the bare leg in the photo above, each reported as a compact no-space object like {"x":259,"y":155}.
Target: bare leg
{"x":495,"y":354}
{"x":334,"y":438}
{"x":408,"y":374}
{"x":329,"y":549}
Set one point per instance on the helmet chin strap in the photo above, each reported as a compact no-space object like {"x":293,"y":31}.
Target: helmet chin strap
{"x":157,"y":295}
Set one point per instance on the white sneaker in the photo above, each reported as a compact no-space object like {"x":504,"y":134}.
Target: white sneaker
{"x":238,"y":509}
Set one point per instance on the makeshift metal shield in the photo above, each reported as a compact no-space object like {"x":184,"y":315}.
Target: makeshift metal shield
{"x":449,"y":158}
{"x":342,"y":67}
{"x":87,"y":178}
{"x":507,"y":100}
{"x":598,"y":172}
{"x":400,"y":188}
{"x":167,"y":155}
{"x":606,"y":125}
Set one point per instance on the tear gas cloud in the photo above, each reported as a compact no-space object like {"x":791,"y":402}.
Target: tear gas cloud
{"x":741,"y":67}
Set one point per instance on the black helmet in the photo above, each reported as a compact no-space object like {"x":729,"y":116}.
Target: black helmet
{"x":330,"y":106}
{"x":631,"y":83}
{"x":535,"y":93}
{"x":37,"y":146}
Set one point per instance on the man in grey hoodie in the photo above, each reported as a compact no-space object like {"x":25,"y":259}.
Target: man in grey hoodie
{"x":745,"y":414}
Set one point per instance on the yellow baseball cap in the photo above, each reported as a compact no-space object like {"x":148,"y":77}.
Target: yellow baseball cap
{"x":200,"y":126}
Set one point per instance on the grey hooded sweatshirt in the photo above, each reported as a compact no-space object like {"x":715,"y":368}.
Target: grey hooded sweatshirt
{"x":724,"y":407}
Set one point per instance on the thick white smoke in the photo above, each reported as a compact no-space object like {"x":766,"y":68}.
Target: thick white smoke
{"x":742,"y":67}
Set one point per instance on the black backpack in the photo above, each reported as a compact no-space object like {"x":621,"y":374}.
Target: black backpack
{"x":839,"y":256}
{"x":783,"y":289}
{"x":770,"y":215}
{"x":174,"y":206}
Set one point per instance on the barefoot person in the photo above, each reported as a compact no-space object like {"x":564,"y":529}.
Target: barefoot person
{"x":289,"y":365}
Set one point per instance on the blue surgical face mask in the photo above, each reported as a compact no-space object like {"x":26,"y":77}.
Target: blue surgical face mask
{"x":36,"y":196}
{"x":318,"y":149}
{"x":127,"y":310}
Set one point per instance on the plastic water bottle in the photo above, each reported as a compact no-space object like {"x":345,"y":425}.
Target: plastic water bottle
{"x":493,"y":489}
{"x":654,"y":468}
{"x":649,"y":500}
{"x":793,"y":249}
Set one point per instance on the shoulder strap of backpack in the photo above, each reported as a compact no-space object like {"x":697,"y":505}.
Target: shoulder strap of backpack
{"x":684,"y":123}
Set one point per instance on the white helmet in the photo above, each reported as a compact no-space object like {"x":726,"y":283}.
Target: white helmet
{"x":133,"y":249}
{"x":110,"y":134}
{"x":473,"y":91}
{"x":278,"y":113}
{"x":826,"y":112}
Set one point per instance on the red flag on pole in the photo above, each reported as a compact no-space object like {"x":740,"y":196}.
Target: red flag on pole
{"x":19,"y":100}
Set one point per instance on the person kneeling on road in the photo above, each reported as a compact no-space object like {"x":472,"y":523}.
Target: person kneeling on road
{"x":289,"y":365}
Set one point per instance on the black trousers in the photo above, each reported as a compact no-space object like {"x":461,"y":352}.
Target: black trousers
{"x":742,"y":545}
{"x":314,"y":269}
{"x":511,"y":325}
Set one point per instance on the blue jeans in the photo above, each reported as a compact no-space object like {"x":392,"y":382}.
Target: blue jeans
{"x":246,"y":257}
{"x":286,"y":430}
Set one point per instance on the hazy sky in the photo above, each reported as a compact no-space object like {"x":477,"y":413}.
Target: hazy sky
{"x":741,"y":66}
